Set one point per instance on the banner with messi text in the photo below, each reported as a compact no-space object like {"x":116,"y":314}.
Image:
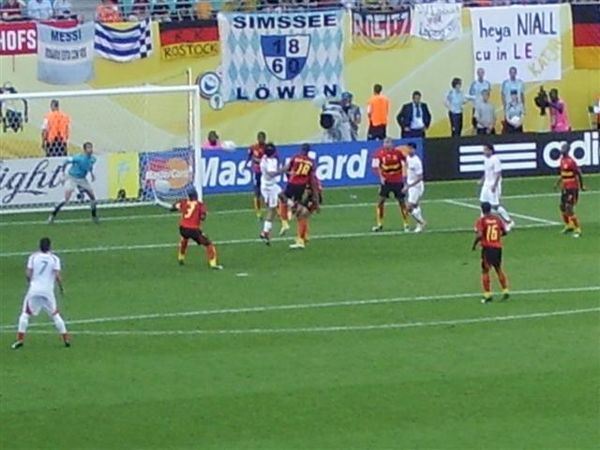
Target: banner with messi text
{"x":283,"y":56}
{"x":381,"y":30}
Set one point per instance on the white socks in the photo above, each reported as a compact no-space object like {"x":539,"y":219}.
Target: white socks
{"x":504,"y":214}
{"x":417,"y":215}
{"x":23,"y":323}
{"x":267,"y":226}
{"x":59,"y":323}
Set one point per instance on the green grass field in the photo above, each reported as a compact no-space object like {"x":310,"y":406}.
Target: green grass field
{"x":360,"y":341}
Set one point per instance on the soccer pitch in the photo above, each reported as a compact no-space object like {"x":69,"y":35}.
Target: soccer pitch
{"x":361,"y":341}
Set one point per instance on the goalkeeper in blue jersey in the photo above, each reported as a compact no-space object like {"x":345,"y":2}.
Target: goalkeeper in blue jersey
{"x":79,"y":167}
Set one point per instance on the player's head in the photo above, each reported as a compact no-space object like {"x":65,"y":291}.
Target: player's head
{"x":412,"y":148}
{"x":270,"y":149}
{"x":346,"y":98}
{"x":45,"y":244}
{"x":486,"y":208}
{"x":304,"y":149}
{"x":564,"y":149}
{"x":261,"y":137}
{"x":377,"y":89}
{"x":193,"y":194}
{"x":488,"y":150}
{"x":54,"y":105}
{"x":88,"y":148}
{"x":388,"y":143}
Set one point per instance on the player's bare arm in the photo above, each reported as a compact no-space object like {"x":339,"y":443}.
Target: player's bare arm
{"x":59,"y":281}
{"x":580,"y":179}
{"x":497,"y":181}
{"x":476,"y":241}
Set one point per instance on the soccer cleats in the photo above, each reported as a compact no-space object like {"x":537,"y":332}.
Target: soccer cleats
{"x":284,"y":228}
{"x":377,"y":228}
{"x":265,"y":238}
{"x":17,"y":345}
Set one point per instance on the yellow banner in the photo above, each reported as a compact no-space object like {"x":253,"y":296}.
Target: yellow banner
{"x":123,"y":175}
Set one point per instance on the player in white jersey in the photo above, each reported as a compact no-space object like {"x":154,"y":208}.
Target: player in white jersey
{"x":415,"y":187}
{"x":43,"y":271}
{"x":269,"y":189}
{"x":491,"y":184}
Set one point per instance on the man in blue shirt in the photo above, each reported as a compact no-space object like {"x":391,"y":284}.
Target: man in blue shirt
{"x":80,"y":166}
{"x":455,"y":101}
{"x":513,"y":84}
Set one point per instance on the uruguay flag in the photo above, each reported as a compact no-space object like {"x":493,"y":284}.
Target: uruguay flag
{"x":126,"y":44}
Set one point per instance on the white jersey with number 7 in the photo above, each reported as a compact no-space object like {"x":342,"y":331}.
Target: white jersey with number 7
{"x":44,"y":268}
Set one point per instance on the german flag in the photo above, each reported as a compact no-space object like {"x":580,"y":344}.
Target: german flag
{"x":586,"y":36}
{"x":189,"y":39}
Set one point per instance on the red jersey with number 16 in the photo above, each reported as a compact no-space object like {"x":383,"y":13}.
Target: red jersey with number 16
{"x":301,"y":169}
{"x":568,"y":173}
{"x":490,"y":228}
{"x":192,"y":212}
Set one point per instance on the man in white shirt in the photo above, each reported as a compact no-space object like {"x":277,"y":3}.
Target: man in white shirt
{"x":39,"y":9}
{"x":269,"y":188}
{"x":491,"y":184}
{"x":415,"y":187}
{"x":43,"y":271}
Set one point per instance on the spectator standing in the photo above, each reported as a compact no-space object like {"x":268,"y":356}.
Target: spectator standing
{"x":353,"y":112}
{"x":212,"y":141}
{"x":108,"y":12}
{"x":11,"y":11}
{"x":378,"y":110}
{"x":63,"y":9}
{"x":478,"y":85}
{"x":414,"y":118}
{"x":514,"y":114}
{"x":485,"y":114}
{"x":39,"y":9}
{"x":55,"y":131}
{"x":559,"y":119}
{"x":513,"y":84}
{"x":455,"y":101}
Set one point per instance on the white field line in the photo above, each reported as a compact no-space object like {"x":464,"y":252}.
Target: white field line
{"x":335,"y":328}
{"x":113,"y":248}
{"x":305,"y":306}
{"x":521,"y":216}
{"x":164,"y":215}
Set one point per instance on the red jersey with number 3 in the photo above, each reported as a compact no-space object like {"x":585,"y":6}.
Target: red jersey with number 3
{"x":568,"y":173}
{"x":490,"y":228}
{"x":301,"y":169}
{"x":390,"y":164}
{"x":192,"y":212}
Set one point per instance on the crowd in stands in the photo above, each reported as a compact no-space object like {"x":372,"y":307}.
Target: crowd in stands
{"x":165,"y":10}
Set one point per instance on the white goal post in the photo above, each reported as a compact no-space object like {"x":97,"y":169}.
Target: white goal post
{"x":140,"y":134}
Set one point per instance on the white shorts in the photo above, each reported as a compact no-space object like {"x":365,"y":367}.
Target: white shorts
{"x":415,"y":193}
{"x":34,"y":302}
{"x":270,"y":194}
{"x":493,"y":198}
{"x":72,"y":183}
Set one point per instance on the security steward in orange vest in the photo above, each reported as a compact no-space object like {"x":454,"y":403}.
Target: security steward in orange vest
{"x":55,"y":131}
{"x":378,"y":110}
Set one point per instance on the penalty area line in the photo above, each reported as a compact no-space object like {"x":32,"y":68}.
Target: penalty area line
{"x":305,"y":306}
{"x":335,"y":328}
{"x":514,"y":214}
{"x":113,"y":248}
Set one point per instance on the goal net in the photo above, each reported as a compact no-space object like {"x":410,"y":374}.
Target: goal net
{"x":140,"y":135}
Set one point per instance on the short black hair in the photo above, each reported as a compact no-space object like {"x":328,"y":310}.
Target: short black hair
{"x":377,"y":88}
{"x":87,"y":144}
{"x":416,"y":93}
{"x":270,"y":149}
{"x":412,"y":145}
{"x":45,"y":244}
{"x":456,"y":81}
{"x":193,"y":194}
{"x":486,"y":207}
{"x":261,"y":133}
{"x":305,"y":148}
{"x":54,"y":103}
{"x":489,"y":147}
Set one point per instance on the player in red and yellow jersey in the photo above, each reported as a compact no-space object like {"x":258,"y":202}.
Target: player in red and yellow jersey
{"x":490,"y":229}
{"x":301,"y":173}
{"x":193,"y":212}
{"x":571,"y":182}
{"x":389,"y":167}
{"x":255,"y":154}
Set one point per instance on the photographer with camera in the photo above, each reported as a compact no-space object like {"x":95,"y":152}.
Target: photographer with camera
{"x":559,"y":119}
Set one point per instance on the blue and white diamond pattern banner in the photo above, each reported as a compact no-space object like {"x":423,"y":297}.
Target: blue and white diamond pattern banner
{"x":268,"y":57}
